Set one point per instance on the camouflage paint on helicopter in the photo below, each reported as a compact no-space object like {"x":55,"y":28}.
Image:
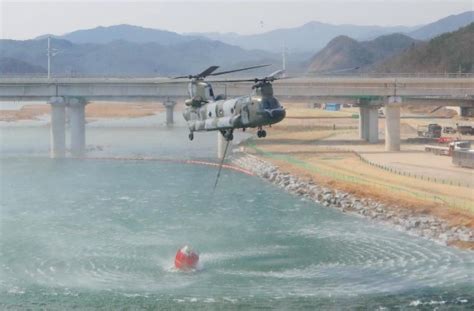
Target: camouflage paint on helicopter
{"x":206,"y":112}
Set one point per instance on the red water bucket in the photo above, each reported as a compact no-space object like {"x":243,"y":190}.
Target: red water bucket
{"x":186,"y":258}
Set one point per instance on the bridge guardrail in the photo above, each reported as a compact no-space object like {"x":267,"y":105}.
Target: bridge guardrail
{"x":295,"y":74}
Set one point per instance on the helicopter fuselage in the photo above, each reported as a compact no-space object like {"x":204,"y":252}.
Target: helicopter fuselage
{"x":241,"y":112}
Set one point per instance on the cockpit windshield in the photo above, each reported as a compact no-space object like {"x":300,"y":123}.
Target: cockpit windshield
{"x":270,"y":103}
{"x":209,"y":93}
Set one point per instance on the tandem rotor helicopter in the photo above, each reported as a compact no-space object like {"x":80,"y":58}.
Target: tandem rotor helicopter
{"x":206,"y":112}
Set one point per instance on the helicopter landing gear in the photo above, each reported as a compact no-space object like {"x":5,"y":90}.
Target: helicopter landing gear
{"x":261,"y":133}
{"x":228,"y":134}
{"x":191,"y":136}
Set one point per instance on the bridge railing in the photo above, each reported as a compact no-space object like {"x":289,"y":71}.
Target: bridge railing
{"x":89,"y":75}
{"x":292,"y":74}
{"x":394,"y":75}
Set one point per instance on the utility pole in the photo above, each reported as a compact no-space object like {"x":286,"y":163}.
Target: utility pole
{"x":49,"y":57}
{"x":50,"y":52}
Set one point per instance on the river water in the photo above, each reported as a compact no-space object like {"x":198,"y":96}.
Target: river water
{"x":102,"y":233}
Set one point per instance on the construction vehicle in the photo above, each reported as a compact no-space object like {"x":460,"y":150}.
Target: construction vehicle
{"x":429,"y":131}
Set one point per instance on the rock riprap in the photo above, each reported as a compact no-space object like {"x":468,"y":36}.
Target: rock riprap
{"x":403,"y":219}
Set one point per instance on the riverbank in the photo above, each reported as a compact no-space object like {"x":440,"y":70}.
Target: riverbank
{"x":414,"y":222}
{"x":103,"y":110}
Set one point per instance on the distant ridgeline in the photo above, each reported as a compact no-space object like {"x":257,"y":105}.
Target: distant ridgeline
{"x":126,"y":58}
{"x":133,"y":50}
{"x":13,"y":65}
{"x":449,"y":52}
{"x":344,"y":52}
{"x":397,"y":53}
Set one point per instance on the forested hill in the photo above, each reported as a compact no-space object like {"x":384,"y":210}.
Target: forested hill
{"x":449,"y":52}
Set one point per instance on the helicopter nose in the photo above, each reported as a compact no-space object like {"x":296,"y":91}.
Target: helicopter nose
{"x":277,"y":113}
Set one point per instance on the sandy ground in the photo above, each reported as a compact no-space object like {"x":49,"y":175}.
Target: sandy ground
{"x":93,"y":110}
{"x":307,"y":144}
{"x":411,"y":160}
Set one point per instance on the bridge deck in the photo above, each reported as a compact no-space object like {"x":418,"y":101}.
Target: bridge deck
{"x":22,"y":88}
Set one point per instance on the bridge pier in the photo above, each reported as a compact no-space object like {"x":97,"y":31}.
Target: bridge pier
{"x":373,"y":131}
{"x":392,"y":123}
{"x":77,"y":117}
{"x":363,"y":122}
{"x":58,"y":127}
{"x":369,"y":123}
{"x":169,"y":105}
{"x":76,"y":110}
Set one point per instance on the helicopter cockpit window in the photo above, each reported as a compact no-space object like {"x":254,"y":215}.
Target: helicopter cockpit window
{"x":191,"y":89}
{"x":270,"y":103}
{"x":209,"y":93}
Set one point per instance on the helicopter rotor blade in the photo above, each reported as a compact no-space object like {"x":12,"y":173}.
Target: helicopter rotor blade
{"x":275,"y":75}
{"x":236,"y":70}
{"x":230,"y":81}
{"x":203,"y":74}
{"x":170,"y":82}
{"x":251,"y":80}
{"x":337,"y":70}
{"x":285,"y":78}
{"x":207,"y":72}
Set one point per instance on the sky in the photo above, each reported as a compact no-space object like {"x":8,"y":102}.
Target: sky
{"x":28,"y":19}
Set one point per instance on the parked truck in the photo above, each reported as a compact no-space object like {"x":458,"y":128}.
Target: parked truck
{"x":449,"y":149}
{"x":465,"y":130}
{"x":449,"y":130}
{"x":429,"y":131}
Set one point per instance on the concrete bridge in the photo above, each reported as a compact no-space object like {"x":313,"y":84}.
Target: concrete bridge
{"x":155,"y":88}
{"x":370,"y":93}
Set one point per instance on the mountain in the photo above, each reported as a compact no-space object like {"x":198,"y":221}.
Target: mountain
{"x":447,"y":24}
{"x":124,"y":32}
{"x":344,"y":52}
{"x":16,"y":66}
{"x":313,"y":36}
{"x":449,"y":52}
{"x":131,"y":58}
{"x":309,"y":37}
{"x":127,"y":49}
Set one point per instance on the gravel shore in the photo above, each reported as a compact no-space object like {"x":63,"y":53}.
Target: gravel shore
{"x":426,"y":226}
